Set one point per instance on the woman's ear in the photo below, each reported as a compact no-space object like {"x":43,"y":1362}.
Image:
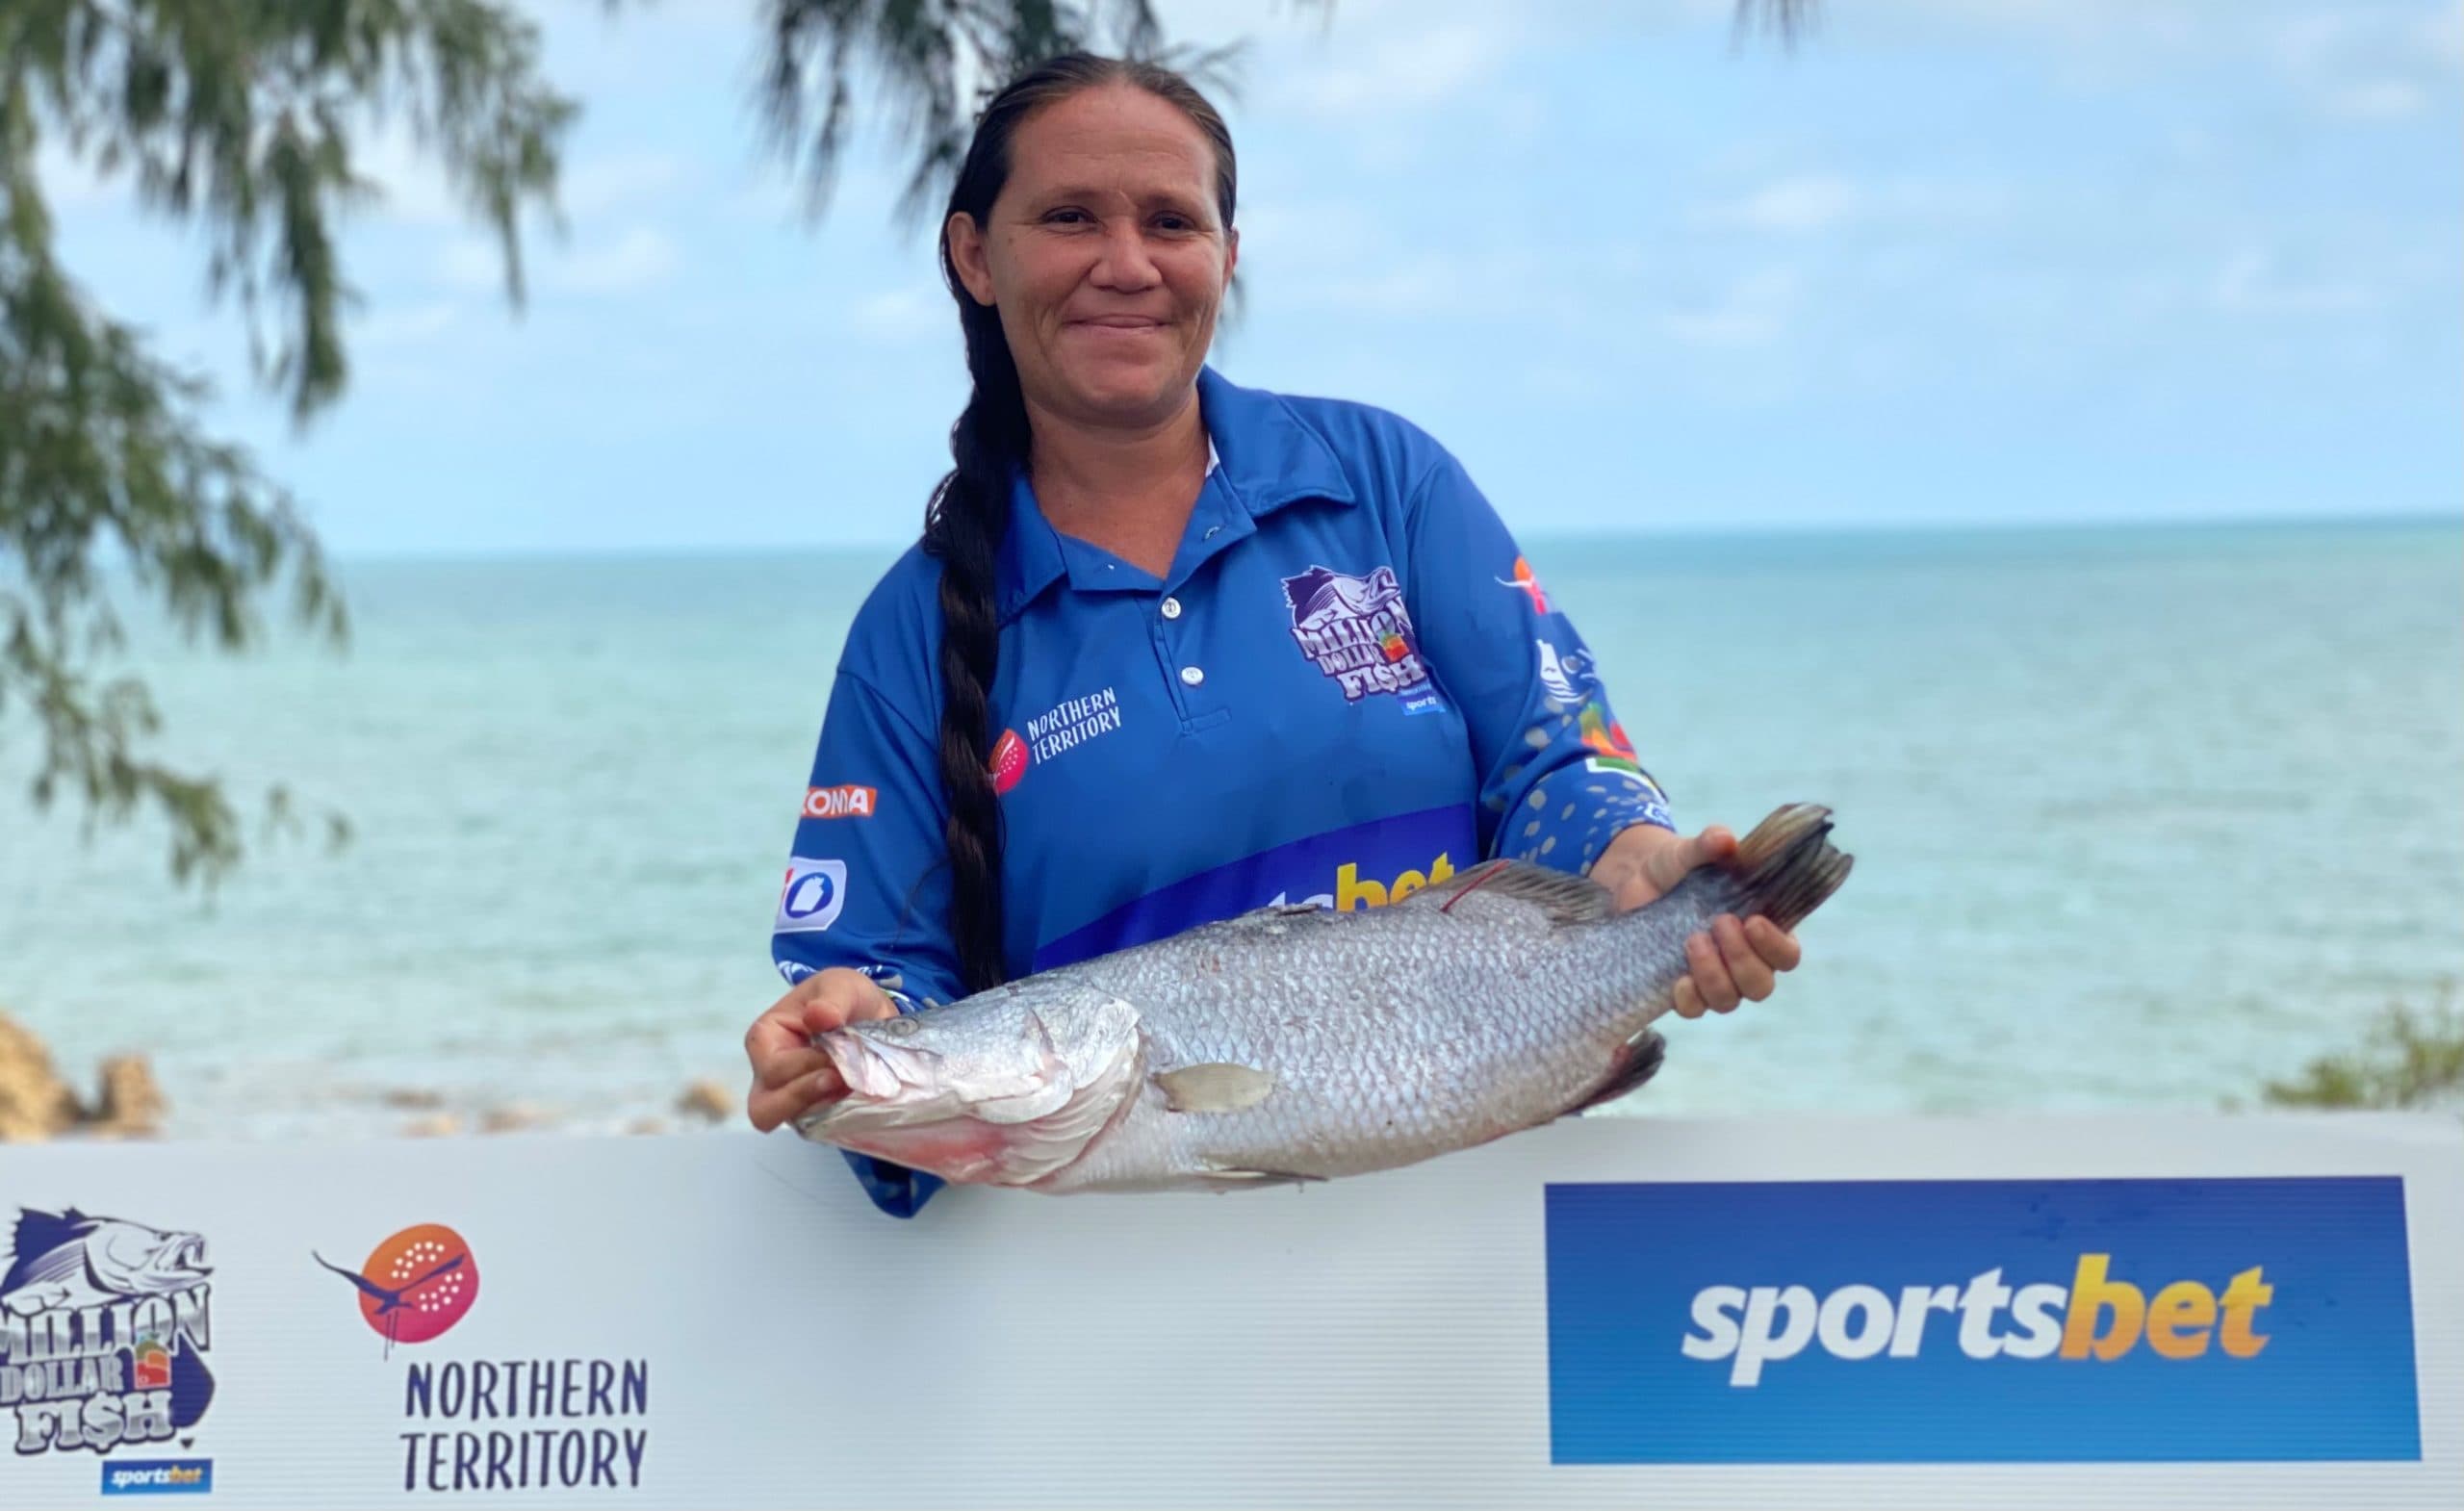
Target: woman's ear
{"x":966,"y":254}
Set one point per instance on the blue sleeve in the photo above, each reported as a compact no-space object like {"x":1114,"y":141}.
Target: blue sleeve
{"x":1557,"y":775}
{"x":867,"y":886}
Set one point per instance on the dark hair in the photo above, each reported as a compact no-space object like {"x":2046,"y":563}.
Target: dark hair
{"x":971,"y":506}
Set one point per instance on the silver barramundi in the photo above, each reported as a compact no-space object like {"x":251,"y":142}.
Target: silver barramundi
{"x":1295,"y":1044}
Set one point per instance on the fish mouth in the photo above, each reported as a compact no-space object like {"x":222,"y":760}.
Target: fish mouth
{"x":881,"y":1078}
{"x":1011,"y":1116}
{"x":188,"y":1255}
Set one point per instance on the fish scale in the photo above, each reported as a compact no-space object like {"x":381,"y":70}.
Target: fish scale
{"x":1292,"y":1044}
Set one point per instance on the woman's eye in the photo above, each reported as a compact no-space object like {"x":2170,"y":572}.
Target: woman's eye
{"x":1066,"y":217}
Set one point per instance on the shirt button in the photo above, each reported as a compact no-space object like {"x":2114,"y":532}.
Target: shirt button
{"x":1171,"y":608}
{"x":1192,"y":675}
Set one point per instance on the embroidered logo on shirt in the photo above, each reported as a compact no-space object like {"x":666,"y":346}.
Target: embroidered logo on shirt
{"x":840,"y":802}
{"x":1525,"y":581}
{"x":1071,"y":723}
{"x":1009,"y":761}
{"x":1569,"y":679}
{"x":1356,"y":630}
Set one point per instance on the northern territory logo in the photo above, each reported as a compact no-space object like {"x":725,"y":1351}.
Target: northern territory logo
{"x":1357,"y":630}
{"x":103,"y":1324}
{"x":416,"y":1285}
{"x":1527,"y":581}
{"x":1009,"y":763}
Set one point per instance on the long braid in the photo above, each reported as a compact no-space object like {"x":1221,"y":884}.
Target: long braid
{"x":970,"y":515}
{"x":970,"y":508}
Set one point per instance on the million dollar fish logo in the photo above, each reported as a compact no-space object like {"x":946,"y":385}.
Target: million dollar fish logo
{"x":104,"y":1325}
{"x":1356,"y":630}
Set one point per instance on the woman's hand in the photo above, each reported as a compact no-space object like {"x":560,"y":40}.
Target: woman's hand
{"x":1734,"y":961}
{"x":789,"y":1076}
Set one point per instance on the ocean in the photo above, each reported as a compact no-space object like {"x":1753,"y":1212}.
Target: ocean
{"x":2142,"y":817}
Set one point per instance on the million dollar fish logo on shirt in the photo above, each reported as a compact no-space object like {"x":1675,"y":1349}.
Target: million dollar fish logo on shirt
{"x":1357,"y":630}
{"x":103,"y":1324}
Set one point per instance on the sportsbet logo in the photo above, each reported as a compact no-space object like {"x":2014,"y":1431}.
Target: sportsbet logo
{"x":1352,"y":891}
{"x":2096,"y":1317}
{"x":1981,"y":1321}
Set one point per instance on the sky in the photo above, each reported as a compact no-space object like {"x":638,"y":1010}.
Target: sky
{"x":1949,"y":262}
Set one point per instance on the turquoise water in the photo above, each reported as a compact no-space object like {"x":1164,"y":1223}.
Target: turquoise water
{"x":2142,"y":816}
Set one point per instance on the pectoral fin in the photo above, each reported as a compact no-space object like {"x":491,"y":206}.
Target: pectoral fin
{"x":1213,"y":1087}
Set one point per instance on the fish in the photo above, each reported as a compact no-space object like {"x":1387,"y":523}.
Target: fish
{"x":67,"y":1259}
{"x":1297,"y":1044}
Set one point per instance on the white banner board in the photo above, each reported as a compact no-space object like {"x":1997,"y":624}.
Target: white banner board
{"x":1886,"y":1313}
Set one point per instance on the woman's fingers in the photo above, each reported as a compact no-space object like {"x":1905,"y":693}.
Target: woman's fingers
{"x":1734,"y":963}
{"x":769,"y":1107}
{"x":1777,"y":946}
{"x":1710,"y":974}
{"x":779,"y":1045}
{"x":1745,"y":965}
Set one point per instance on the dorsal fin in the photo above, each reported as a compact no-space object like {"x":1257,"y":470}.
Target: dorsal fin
{"x":1566,"y":899}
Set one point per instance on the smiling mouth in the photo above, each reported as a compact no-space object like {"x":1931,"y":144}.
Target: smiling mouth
{"x":1120,"y":325}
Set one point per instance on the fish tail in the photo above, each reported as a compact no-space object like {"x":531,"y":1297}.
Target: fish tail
{"x":1787,"y":867}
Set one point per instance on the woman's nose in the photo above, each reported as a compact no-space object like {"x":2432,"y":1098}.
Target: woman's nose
{"x":1125,"y":264}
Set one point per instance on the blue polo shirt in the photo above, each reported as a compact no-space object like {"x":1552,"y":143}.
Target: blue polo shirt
{"x":1350,"y":685}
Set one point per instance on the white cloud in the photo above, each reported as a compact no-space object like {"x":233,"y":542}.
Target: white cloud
{"x":2366,"y":65}
{"x":903,"y":314}
{"x":641,"y":257}
{"x":469,"y":263}
{"x":1418,"y":68}
{"x":69,"y":182}
{"x":604,"y":184}
{"x":1754,"y":310}
{"x":1429,"y":284}
{"x":1792,"y":205}
{"x":2377,"y":99}
{"x":409,"y":326}
{"x":412,"y":189}
{"x":1808,"y":202}
{"x":2248,"y":284}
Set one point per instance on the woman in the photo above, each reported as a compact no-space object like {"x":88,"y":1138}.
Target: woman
{"x":1171,"y":648}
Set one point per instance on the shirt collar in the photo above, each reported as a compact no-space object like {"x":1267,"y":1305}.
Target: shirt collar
{"x":1258,"y":450}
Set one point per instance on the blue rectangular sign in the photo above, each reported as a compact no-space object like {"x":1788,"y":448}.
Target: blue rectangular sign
{"x":1981,"y":1321}
{"x":158,"y":1476}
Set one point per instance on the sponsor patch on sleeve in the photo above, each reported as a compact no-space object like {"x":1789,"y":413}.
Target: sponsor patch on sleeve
{"x":841,"y":802}
{"x":814,"y":893}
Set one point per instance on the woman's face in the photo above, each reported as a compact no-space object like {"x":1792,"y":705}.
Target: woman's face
{"x":1105,"y":256}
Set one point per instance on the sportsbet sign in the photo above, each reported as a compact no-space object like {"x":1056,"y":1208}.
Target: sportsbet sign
{"x":1905,"y":1321}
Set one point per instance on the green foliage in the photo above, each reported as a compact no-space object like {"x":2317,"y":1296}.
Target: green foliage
{"x":2411,"y":1059}
{"x":238,"y":117}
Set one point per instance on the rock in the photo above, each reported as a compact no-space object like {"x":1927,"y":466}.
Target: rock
{"x":647,"y":1125}
{"x":34,"y":1103}
{"x":511,"y":1119}
{"x":443,"y":1125}
{"x":707,"y":1100}
{"x":132,"y":1104}
{"x":411,"y":1098}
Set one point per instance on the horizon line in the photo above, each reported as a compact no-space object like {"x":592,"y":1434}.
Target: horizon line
{"x":1858,"y":528}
